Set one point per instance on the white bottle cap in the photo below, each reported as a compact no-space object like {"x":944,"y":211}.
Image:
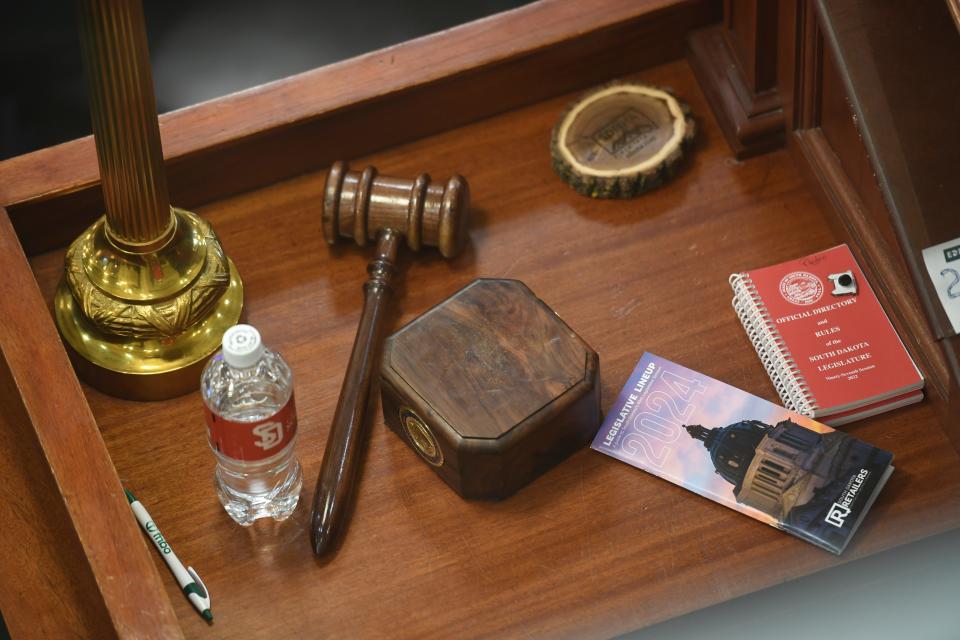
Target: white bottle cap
{"x":242,"y":347}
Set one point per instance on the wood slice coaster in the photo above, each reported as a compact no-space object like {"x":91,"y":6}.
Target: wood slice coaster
{"x":621,"y":140}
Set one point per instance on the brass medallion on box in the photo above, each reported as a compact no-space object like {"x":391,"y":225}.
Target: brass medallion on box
{"x":420,"y":437}
{"x":621,"y":140}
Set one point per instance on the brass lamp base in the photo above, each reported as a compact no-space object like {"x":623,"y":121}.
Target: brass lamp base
{"x":142,"y":325}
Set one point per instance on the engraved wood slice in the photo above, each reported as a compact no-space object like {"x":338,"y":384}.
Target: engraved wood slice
{"x":621,"y":140}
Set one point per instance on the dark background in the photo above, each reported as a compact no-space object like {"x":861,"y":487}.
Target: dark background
{"x":204,"y":49}
{"x":199,"y":50}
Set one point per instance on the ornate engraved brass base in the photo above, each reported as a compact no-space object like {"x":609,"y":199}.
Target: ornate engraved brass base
{"x":142,"y":324}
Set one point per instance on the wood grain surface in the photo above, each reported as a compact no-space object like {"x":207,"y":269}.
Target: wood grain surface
{"x":593,"y":547}
{"x":41,"y":549}
{"x":487,"y":358}
{"x":496,"y":387}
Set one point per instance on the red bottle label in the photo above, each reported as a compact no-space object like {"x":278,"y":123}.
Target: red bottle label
{"x":251,"y":441}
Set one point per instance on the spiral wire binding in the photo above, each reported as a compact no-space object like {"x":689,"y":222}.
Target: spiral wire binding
{"x":774,"y":354}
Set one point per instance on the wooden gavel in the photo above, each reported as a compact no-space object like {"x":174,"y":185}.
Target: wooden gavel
{"x":362,"y":205}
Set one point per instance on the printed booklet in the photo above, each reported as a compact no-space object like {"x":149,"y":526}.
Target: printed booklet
{"x":824,"y":339}
{"x":770,"y":463}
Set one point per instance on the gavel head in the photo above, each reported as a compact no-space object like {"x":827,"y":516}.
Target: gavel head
{"x":359,"y":204}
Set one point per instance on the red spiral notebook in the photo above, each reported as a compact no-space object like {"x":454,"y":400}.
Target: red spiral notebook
{"x":824,"y":339}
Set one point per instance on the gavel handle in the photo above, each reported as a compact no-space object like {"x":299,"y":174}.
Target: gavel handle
{"x":341,"y":459}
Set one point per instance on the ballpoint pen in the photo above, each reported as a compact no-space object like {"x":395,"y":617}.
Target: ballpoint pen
{"x":187,"y":578}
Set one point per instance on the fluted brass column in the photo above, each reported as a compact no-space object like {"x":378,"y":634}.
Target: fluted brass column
{"x":148,"y":290}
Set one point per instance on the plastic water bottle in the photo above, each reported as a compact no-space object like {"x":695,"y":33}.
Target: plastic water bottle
{"x":252,"y":428}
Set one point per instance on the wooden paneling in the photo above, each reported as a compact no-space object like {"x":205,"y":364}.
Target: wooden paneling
{"x":61,"y":487}
{"x":41,"y":550}
{"x":828,"y":140}
{"x":593,"y":547}
{"x":839,"y":127}
{"x":751,"y":35}
{"x":736,"y":64}
{"x":903,"y":87}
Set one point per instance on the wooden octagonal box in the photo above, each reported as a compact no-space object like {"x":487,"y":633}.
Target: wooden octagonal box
{"x":491,"y":388}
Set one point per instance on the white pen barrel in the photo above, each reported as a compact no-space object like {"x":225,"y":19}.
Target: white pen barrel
{"x":143,"y":517}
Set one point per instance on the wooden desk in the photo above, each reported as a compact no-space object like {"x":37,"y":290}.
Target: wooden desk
{"x":593,"y":547}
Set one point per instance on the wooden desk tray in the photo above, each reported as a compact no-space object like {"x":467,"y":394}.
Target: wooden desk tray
{"x":592,"y":547}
